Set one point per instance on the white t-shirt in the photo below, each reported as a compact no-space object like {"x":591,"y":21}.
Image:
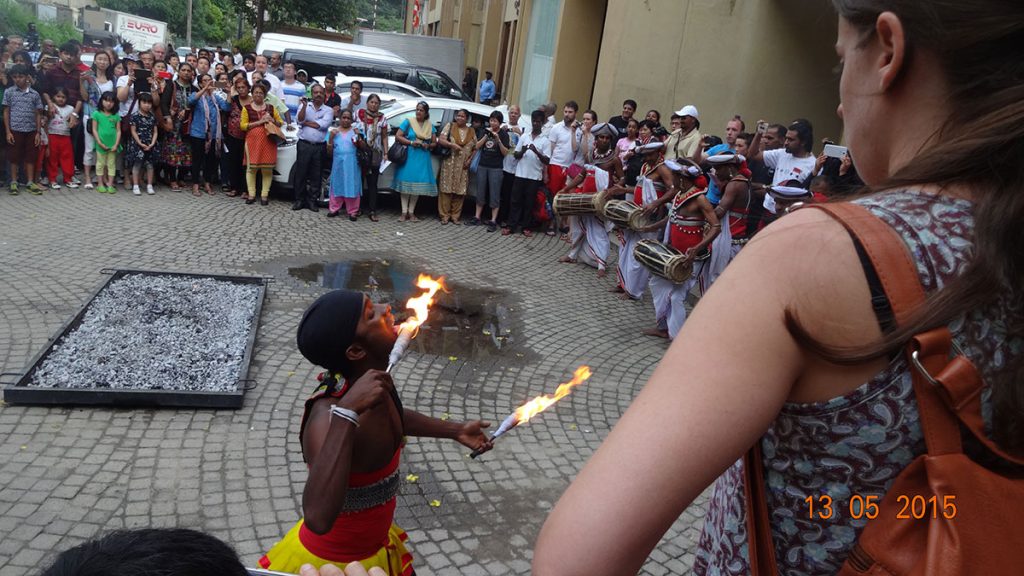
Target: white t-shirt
{"x":560,"y":137}
{"x":530,"y":166}
{"x":124,"y":107}
{"x":789,"y":167}
{"x":509,"y":163}
{"x":275,"y":83}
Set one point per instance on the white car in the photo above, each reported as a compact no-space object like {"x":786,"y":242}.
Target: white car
{"x":386,"y":89}
{"x":442,"y":111}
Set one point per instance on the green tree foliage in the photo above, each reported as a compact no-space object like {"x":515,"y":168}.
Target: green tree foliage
{"x":390,"y":14}
{"x":335,"y":14}
{"x":213,"y":21}
{"x":16,"y":18}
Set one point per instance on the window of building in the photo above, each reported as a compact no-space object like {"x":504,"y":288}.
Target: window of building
{"x":540,"y":53}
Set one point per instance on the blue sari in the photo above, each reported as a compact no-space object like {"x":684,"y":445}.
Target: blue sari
{"x":416,"y":175}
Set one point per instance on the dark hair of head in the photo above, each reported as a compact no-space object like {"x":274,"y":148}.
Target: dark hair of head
{"x":978,"y":48}
{"x":60,"y":90}
{"x":185,"y":65}
{"x":657,"y":115}
{"x":260,"y":87}
{"x":572,"y":104}
{"x":629,"y":102}
{"x":266,"y":85}
{"x":631,"y":122}
{"x":372,"y":97}
{"x":145,"y":97}
{"x":805,"y":131}
{"x":423,"y":104}
{"x":538,"y":115}
{"x":745,"y":136}
{"x":18,"y":70}
{"x":818,"y":182}
{"x":647,"y":124}
{"x":711,"y":140}
{"x":70,"y":48}
{"x":204,"y":76}
{"x":779,"y":129}
{"x":249,"y":58}
{"x":21,"y":55}
{"x":743,"y":125}
{"x":498,"y":115}
{"x":345,"y":111}
{"x":234,"y":74}
{"x":357,"y":83}
{"x":593,"y":115}
{"x":166,"y":551}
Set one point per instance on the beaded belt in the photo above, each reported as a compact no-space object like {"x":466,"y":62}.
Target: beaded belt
{"x":380,"y":492}
{"x":740,"y":241}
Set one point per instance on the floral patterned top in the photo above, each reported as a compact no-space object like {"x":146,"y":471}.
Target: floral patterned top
{"x":856,"y":444}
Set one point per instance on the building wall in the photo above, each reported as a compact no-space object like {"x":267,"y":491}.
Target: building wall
{"x":577,"y":51}
{"x":770,"y":59}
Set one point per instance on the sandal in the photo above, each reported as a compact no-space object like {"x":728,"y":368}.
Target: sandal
{"x":373,"y":217}
{"x":413,"y":218}
{"x":401,"y":218}
{"x":567,"y":260}
{"x":210,"y":191}
{"x":549,"y":232}
{"x":197,"y":193}
{"x":527,"y":233}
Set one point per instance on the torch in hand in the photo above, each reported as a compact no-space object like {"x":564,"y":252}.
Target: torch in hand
{"x":420,"y":305}
{"x":524,"y":413}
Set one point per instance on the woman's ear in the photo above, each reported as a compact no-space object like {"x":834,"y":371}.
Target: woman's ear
{"x":892,"y":46}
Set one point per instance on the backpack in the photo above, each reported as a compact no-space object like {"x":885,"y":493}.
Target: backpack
{"x":944,"y":514}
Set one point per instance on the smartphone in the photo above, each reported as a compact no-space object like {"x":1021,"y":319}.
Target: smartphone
{"x":165,"y":75}
{"x":142,"y":81}
{"x":833,"y":151}
{"x":762,"y":127}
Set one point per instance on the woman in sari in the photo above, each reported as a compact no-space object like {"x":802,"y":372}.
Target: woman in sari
{"x":415,"y":177}
{"x":460,"y":138}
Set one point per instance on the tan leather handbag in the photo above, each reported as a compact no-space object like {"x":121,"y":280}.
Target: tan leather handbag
{"x":944,"y":515}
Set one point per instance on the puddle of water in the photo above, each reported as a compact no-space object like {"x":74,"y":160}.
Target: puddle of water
{"x":467,"y":323}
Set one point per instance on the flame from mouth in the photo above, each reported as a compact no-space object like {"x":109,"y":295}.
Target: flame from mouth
{"x":420,"y":305}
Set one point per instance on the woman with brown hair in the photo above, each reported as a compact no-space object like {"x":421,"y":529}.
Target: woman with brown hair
{"x":460,"y":139}
{"x":796,"y":348}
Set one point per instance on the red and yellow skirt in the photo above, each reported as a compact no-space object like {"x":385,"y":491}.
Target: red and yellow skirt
{"x":290,"y":554}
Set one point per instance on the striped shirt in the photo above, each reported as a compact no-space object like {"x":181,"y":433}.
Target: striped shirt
{"x":292,"y":94}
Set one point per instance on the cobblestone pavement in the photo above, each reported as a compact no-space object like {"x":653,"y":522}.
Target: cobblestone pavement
{"x":68,"y":474}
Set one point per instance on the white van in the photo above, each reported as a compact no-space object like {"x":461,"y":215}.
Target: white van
{"x":271,"y":42}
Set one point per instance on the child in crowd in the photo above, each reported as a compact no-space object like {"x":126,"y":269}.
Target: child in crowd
{"x":58,"y":131}
{"x":106,"y":133}
{"x":142,"y":148}
{"x":23,"y":116}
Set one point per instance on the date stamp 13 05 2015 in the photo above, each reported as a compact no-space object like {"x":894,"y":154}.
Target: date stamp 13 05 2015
{"x":915,"y":507}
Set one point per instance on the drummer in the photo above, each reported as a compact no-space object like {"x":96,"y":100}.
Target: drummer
{"x":654,"y":182}
{"x":787,"y":196}
{"x":690,"y":227}
{"x":588,"y":234}
{"x":734,"y":207}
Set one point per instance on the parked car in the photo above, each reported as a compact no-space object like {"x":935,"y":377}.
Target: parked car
{"x":442,"y":111}
{"x":272,"y":42}
{"x":427,"y":80}
{"x":386,"y":89}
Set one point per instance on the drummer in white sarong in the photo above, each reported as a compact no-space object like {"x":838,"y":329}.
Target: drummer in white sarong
{"x":655,"y":180}
{"x":588,"y":234}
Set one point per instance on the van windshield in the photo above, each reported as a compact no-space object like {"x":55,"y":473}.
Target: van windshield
{"x":437,"y":83}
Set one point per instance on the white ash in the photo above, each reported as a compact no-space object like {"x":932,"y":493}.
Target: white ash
{"x":147,"y":332}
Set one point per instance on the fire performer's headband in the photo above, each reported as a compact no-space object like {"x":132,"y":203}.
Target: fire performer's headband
{"x":328,"y":328}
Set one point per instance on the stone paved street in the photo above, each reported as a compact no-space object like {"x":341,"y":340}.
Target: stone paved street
{"x":69,"y":474}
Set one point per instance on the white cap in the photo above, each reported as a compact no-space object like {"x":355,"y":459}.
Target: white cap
{"x":688,"y":110}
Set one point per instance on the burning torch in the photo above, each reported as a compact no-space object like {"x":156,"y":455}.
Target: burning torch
{"x":420,"y":305}
{"x":524,"y":413}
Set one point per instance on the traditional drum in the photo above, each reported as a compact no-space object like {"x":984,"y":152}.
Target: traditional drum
{"x":573,"y":204}
{"x":662,"y":260}
{"x":619,"y":212}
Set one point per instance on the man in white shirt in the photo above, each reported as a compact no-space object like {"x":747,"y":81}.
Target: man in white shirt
{"x":354,"y":101}
{"x":530,"y":175}
{"x":314,"y":120}
{"x":794,"y":160}
{"x":563,"y":142}
{"x":275,"y":82}
{"x":515,"y":130}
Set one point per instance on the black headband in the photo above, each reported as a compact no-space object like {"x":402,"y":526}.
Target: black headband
{"x":328,"y":328}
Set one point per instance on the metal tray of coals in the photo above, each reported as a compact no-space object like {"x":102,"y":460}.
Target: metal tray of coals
{"x":144,"y":386}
